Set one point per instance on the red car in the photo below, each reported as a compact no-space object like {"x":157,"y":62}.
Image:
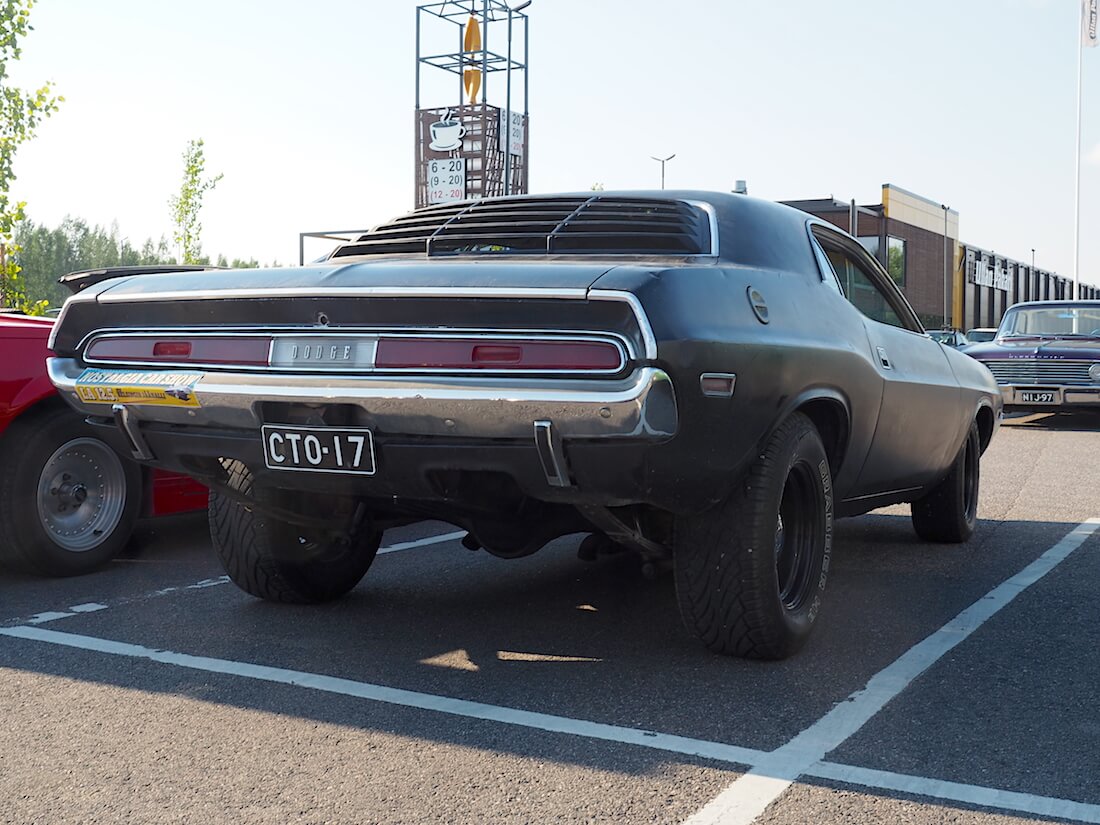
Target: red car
{"x":67,"y":501}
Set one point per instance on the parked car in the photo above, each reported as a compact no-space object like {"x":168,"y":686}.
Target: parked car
{"x":979,"y":335}
{"x":68,"y":502}
{"x":1046,"y":356}
{"x":949,"y":337}
{"x":678,"y":373}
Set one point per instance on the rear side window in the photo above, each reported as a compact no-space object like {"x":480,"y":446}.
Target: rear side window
{"x":861,"y":291}
{"x":865,"y":288}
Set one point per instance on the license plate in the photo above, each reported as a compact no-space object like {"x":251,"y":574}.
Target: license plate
{"x":1032,"y":397}
{"x":319,"y":449}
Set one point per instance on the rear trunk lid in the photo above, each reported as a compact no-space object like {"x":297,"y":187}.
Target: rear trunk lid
{"x":392,"y":294}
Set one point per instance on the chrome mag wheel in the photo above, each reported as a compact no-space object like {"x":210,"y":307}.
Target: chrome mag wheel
{"x":81,"y":494}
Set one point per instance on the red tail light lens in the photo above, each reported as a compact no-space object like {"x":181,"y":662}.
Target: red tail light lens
{"x":490,"y":354}
{"x":503,"y":354}
{"x":238,"y":351}
{"x":172,"y":349}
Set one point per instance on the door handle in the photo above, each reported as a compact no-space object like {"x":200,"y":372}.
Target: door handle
{"x":884,"y":359}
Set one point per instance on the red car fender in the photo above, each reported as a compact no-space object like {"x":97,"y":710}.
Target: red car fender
{"x":25,"y":384}
{"x":34,"y":391}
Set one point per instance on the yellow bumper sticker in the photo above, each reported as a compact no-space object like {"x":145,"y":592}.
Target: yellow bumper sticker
{"x":157,"y":389}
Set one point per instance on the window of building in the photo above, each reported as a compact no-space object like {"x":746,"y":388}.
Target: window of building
{"x":870,"y":243}
{"x":895,"y":259}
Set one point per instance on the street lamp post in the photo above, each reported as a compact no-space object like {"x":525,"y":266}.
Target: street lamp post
{"x":508,"y":102}
{"x":663,"y":161}
{"x":946,"y":210}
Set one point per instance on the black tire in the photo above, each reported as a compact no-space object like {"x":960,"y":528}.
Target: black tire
{"x":949,"y":512}
{"x":281,"y":562}
{"x":751,"y":572}
{"x":68,"y":502}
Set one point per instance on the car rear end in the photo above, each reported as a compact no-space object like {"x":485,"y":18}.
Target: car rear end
{"x":491,"y":369}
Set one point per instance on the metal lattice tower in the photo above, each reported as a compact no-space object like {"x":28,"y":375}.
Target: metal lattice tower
{"x":463,"y":150}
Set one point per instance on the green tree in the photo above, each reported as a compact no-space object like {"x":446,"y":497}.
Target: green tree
{"x":188,"y":203}
{"x":895,"y":264}
{"x":45,"y":254}
{"x":237,"y":263}
{"x":20,"y":114}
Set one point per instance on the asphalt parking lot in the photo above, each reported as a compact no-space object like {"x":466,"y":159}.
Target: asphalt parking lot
{"x":944,"y":684}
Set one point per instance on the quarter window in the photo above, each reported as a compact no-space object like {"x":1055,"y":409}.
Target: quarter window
{"x":860,"y":290}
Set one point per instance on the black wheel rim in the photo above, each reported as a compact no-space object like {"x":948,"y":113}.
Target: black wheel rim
{"x":799,"y":536}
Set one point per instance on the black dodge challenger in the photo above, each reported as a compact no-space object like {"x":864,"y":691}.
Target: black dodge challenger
{"x":704,"y":379}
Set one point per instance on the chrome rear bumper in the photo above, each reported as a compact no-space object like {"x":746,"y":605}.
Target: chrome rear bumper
{"x":639,"y":406}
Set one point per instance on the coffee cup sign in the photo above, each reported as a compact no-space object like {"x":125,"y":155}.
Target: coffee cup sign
{"x":447,"y":134}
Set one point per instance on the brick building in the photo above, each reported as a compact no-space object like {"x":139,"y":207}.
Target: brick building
{"x":914,"y":237}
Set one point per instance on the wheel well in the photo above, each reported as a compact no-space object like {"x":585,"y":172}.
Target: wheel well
{"x":831,"y":421}
{"x":31,"y":412}
{"x":985,"y":426}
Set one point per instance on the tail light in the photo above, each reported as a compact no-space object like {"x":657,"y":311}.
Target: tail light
{"x":228,"y":350}
{"x":406,"y":353}
{"x":362,"y":352}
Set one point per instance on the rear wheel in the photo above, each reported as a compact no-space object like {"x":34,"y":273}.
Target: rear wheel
{"x":68,"y":502}
{"x":282,"y":562}
{"x":750,"y":572}
{"x":949,"y":512}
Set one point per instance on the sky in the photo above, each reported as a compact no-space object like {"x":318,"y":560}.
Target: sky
{"x":307,"y":110}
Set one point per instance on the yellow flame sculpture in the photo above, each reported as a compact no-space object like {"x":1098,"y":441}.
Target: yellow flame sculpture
{"x":471,"y":42}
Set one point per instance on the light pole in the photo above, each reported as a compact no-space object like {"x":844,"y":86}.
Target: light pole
{"x":945,"y":209}
{"x":1030,"y":277}
{"x":508,"y":102}
{"x":663,"y":161}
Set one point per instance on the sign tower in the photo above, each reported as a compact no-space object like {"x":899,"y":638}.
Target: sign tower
{"x":471,"y":148}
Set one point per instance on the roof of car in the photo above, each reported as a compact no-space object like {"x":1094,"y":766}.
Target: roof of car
{"x":1062,"y":303}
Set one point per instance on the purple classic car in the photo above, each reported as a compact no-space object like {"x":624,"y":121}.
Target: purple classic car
{"x":1046,"y":356}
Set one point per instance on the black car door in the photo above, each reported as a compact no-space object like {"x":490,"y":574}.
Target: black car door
{"x":921,"y":400}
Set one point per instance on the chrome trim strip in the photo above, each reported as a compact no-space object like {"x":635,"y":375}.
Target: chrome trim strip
{"x":639,"y":313}
{"x":398,"y":292}
{"x":880,"y":495}
{"x":621,"y":344}
{"x":710,"y":212}
{"x":321,"y":291}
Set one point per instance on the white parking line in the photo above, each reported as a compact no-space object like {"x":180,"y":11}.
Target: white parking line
{"x":1011,"y":801}
{"x":406,"y":698}
{"x":54,"y":615}
{"x":743,"y":801}
{"x":957,"y":792}
{"x":42,"y":618}
{"x":770,"y":773}
{"x":409,"y":545}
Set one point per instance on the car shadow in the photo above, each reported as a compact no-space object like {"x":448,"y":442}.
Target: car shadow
{"x":1076,"y":421}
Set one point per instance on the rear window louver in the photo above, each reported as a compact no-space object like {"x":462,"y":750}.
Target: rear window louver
{"x":544,"y":226}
